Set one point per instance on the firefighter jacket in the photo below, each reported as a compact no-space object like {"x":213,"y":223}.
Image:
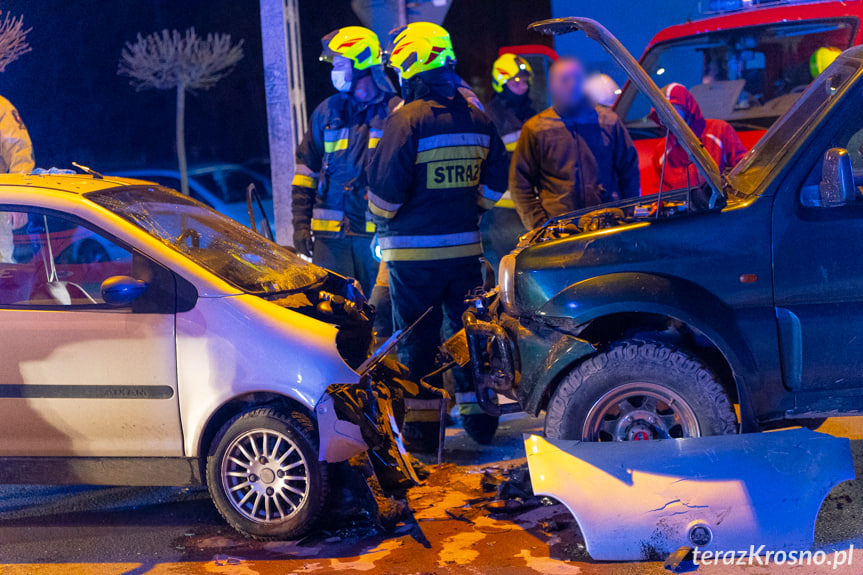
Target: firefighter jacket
{"x":566,"y":164}
{"x":719,"y":139}
{"x":329,"y":186}
{"x":509,"y":112}
{"x":16,"y":150}
{"x":439,"y":164}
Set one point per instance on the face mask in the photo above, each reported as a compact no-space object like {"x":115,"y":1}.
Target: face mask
{"x":341,"y":80}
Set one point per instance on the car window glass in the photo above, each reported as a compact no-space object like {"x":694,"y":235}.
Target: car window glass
{"x":230,"y":185}
{"x":46,"y":260}
{"x":746,"y":76}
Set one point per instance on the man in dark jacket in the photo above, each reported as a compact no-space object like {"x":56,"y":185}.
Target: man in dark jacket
{"x":572,"y":155}
{"x":330,"y":209}
{"x":439,"y":164}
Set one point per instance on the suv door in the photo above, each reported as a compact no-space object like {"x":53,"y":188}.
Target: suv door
{"x":818,"y":278}
{"x":79,"y":377}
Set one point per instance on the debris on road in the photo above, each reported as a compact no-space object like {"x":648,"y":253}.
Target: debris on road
{"x":643,"y":500}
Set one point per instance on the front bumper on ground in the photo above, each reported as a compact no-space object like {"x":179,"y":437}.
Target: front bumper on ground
{"x":641,"y":500}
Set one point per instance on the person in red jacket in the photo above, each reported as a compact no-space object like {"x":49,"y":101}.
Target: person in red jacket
{"x":719,"y":139}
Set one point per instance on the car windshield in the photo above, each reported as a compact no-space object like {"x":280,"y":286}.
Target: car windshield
{"x":745,"y":76}
{"x":789,"y":132}
{"x":212,"y":240}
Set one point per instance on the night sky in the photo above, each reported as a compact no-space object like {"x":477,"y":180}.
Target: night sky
{"x":77,"y":108}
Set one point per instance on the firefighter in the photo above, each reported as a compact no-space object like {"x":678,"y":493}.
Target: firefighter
{"x":330,"y":216}
{"x":511,"y":78}
{"x":719,"y":139}
{"x":439,"y":164}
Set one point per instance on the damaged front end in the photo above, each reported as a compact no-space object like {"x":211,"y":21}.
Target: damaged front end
{"x":505,"y":351}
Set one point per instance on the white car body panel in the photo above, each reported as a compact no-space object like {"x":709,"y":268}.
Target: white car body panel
{"x":227,"y":347}
{"x":98,"y":352}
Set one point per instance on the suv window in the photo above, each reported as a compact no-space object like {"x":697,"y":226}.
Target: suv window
{"x":46,"y":260}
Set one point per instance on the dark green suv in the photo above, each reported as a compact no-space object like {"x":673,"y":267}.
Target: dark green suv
{"x":655,"y":317}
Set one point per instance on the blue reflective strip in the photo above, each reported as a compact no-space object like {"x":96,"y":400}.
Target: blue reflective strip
{"x":439,"y":241}
{"x":335,"y":135}
{"x":446,"y":140}
{"x":382,"y":203}
{"x":375,"y":133}
{"x":491,"y":194}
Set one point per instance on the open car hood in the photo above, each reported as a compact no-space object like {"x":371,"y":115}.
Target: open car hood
{"x":670,"y":118}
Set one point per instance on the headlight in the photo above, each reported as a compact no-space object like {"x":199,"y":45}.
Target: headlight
{"x":506,"y":273}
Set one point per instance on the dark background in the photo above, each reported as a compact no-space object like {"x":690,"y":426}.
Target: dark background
{"x":77,"y":108}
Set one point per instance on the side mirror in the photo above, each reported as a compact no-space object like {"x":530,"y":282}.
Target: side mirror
{"x":837,"y":179}
{"x":122,"y":290}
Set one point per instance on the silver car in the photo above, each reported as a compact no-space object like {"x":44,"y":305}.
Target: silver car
{"x":149,"y":340}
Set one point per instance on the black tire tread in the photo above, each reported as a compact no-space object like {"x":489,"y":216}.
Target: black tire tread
{"x":658,"y":355}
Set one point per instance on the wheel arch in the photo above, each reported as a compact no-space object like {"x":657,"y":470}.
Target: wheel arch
{"x":604,"y":301}
{"x":240,"y":404}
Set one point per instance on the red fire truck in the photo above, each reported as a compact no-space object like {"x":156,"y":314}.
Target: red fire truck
{"x":745,"y":61}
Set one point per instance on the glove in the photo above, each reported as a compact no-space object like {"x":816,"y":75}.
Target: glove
{"x":303,"y":241}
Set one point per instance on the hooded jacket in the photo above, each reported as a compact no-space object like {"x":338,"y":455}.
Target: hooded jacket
{"x":439,"y":163}
{"x":566,"y":164}
{"x":719,"y":139}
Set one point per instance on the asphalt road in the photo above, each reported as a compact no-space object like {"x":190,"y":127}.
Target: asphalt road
{"x":168,"y":530}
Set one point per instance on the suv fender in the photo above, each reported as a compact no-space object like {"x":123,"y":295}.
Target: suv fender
{"x":636,"y":292}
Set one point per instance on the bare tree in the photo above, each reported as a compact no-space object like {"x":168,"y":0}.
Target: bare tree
{"x":13,"y":40}
{"x":171,"y":60}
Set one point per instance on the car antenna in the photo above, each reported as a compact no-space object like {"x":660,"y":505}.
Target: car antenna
{"x":96,"y":175}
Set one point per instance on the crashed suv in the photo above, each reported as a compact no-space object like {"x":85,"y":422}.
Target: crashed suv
{"x":655,"y":317}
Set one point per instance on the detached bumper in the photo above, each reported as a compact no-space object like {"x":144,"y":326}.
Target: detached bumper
{"x":642,"y":500}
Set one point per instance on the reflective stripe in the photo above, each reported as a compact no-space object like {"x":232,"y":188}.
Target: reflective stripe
{"x":335,"y":140}
{"x":716,"y":140}
{"x":304,"y":181}
{"x":422,"y":416}
{"x":324,"y":220}
{"x":447,"y":140}
{"x":370,"y":227}
{"x":374,"y":138}
{"x":431,"y":254}
{"x":326,"y":226}
{"x":380,"y":207}
{"x":458,"y":239}
{"x":510,"y":140}
{"x":453,"y":153}
{"x":491,"y":194}
{"x":423,"y":404}
{"x":505,"y":202}
{"x":486,"y":203}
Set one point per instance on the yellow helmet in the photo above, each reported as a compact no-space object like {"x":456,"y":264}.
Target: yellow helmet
{"x":506,"y":68}
{"x":420,"y":47}
{"x":821,"y":58}
{"x":356,"y":43}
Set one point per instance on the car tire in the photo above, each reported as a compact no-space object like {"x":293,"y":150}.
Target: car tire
{"x":267,"y":493}
{"x":639,"y":390}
